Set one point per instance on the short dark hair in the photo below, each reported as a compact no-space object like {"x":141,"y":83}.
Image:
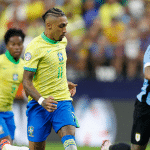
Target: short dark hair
{"x":54,"y":12}
{"x":13,"y":32}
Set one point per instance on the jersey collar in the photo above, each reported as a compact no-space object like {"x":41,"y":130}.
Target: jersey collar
{"x":45,"y":38}
{"x":8,"y":55}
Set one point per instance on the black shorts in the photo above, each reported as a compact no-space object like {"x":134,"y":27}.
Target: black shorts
{"x":141,"y":123}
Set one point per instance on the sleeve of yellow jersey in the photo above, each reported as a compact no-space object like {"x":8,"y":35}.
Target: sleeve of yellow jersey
{"x":31,"y":58}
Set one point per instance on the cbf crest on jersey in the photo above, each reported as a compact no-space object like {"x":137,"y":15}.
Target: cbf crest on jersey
{"x":15,"y":77}
{"x":137,"y":137}
{"x":60,"y":56}
{"x":31,"y":131}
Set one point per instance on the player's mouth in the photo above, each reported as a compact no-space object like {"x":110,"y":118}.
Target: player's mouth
{"x":17,"y":53}
{"x":63,"y":35}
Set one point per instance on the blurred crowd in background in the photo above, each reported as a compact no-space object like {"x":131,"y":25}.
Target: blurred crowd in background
{"x":110,"y":34}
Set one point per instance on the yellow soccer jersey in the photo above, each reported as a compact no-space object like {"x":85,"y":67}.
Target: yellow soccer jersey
{"x":11,"y":75}
{"x":47,"y":58}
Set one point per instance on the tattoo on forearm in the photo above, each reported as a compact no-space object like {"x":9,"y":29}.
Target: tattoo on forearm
{"x":30,"y":89}
{"x":28,"y":85}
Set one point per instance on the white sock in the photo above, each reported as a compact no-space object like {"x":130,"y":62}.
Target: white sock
{"x":71,"y":147}
{"x":11,"y":147}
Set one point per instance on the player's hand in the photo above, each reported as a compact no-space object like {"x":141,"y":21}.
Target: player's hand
{"x":49,"y":104}
{"x":73,"y":91}
{"x":72,"y":88}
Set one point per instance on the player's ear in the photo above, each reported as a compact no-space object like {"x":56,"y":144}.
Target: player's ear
{"x":49,"y":26}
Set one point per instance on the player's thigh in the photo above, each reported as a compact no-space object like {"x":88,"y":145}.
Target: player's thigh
{"x":37,"y":145}
{"x":67,"y":130}
{"x":138,"y":147}
{"x":64,"y":116}
{"x":140,"y":133}
{"x":11,"y":126}
{"x":4,"y":130}
{"x":38,"y":124}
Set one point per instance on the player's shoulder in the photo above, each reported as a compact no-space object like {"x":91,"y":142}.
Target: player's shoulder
{"x":34,"y":47}
{"x":2,"y":58}
{"x":2,"y":55}
{"x":34,"y":41}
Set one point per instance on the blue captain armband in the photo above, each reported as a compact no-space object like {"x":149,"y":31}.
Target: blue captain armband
{"x":30,"y":69}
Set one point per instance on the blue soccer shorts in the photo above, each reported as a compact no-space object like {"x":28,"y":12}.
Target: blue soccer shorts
{"x":7,"y":124}
{"x":40,"y":121}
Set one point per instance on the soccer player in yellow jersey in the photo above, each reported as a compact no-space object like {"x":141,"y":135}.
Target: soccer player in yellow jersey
{"x":45,"y":81}
{"x":11,"y":75}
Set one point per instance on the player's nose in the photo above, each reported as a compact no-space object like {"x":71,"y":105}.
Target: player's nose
{"x":17,"y":47}
{"x":65,"y":30}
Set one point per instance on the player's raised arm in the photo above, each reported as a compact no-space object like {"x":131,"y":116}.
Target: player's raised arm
{"x":31,"y":90}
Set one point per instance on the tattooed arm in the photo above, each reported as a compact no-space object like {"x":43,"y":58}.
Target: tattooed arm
{"x":31,"y":90}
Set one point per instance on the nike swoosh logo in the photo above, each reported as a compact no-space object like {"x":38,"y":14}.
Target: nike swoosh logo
{"x":48,"y":51}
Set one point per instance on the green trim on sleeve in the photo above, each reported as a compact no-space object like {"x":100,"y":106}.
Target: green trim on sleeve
{"x":30,"y":69}
{"x":45,"y":38}
{"x":10,"y":58}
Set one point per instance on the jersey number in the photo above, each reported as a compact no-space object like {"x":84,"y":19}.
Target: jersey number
{"x":60,"y":72}
{"x":13,"y":88}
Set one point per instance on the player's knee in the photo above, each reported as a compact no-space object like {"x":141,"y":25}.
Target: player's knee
{"x":69,"y":142}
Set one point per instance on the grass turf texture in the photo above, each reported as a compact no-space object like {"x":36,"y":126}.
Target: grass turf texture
{"x":59,"y":146}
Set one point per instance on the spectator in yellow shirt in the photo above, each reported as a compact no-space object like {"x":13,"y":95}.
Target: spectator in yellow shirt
{"x":109,"y":10}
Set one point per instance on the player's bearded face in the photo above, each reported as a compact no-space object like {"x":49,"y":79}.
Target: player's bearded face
{"x":15,"y":46}
{"x":60,"y":28}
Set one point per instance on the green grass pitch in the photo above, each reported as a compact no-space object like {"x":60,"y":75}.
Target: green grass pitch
{"x":59,"y":146}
